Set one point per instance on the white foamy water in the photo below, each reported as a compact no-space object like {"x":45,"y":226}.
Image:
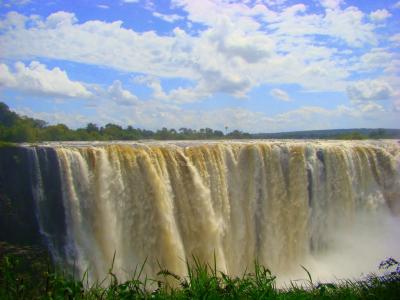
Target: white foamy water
{"x":332,"y":206}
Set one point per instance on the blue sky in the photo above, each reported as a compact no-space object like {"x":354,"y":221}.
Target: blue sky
{"x":255,"y":65}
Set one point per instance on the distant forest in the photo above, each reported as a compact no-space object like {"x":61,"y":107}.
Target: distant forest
{"x":16,"y":128}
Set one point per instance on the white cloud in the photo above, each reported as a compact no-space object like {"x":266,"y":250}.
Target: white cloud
{"x":371,"y":107}
{"x":395,"y":38}
{"x":72,"y":120}
{"x":347,"y":25}
{"x":369,"y":90}
{"x":376,"y":58}
{"x":167,"y":18}
{"x":251,"y":48}
{"x":280,"y":94}
{"x":93,"y":42}
{"x":103,"y":6}
{"x":275,"y":2}
{"x":130,"y":1}
{"x":241,"y":46}
{"x":13,"y":21}
{"x":332,"y":4}
{"x":178,"y":95}
{"x":380,"y":15}
{"x":59,"y":20}
{"x":36,"y":78}
{"x":123,"y":97}
{"x":6,"y":78}
{"x":397,"y":4}
{"x":9,"y":3}
{"x":155,"y":115}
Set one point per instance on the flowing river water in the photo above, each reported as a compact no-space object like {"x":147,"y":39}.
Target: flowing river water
{"x":332,"y":206}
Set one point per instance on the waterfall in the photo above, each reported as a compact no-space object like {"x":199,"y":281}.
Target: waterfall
{"x":282,"y":203}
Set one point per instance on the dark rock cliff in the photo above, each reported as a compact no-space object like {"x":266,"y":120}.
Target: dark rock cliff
{"x":18,"y":222}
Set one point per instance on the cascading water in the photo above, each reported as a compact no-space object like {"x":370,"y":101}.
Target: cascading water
{"x":282,"y":203}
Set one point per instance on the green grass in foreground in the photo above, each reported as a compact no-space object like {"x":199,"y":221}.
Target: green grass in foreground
{"x":27,"y":276}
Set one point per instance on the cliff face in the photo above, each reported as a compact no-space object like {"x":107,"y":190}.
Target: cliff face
{"x":17,"y":219}
{"x":20,"y":189}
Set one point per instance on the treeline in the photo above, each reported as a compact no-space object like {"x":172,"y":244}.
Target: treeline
{"x":16,"y":128}
{"x":355,"y":135}
{"x":338,"y":134}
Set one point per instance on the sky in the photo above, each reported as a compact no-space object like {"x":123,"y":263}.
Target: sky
{"x":251,"y":65}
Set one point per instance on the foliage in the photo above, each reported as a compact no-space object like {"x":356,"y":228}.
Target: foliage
{"x":347,"y":134}
{"x":354,"y":135}
{"x":351,"y":136}
{"x":26,"y":275}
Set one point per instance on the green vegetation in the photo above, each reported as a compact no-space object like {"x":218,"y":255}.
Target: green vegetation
{"x":355,"y":135}
{"x":340,"y":134}
{"x":351,"y":136}
{"x":26,"y":273}
{"x":17,"y":129}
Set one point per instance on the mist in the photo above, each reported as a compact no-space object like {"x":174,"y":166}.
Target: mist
{"x":355,"y":250}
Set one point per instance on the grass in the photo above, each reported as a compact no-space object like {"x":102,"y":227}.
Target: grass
{"x":27,"y":274}
{"x":4,"y":144}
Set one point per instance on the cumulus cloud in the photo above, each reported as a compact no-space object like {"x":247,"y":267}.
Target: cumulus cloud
{"x":6,"y":78}
{"x":241,"y":46}
{"x":280,"y":94}
{"x":117,"y":94}
{"x":347,"y":25}
{"x":376,"y":58}
{"x":155,"y":115}
{"x":369,"y":90}
{"x":380,"y":15}
{"x":59,"y":20}
{"x":178,"y":95}
{"x":72,"y":120}
{"x":94,"y":42}
{"x":167,"y":18}
{"x":332,"y":4}
{"x":251,"y":48}
{"x":37,"y":78}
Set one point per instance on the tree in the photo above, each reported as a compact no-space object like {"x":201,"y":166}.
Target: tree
{"x":91,"y":127}
{"x":377,"y":134}
{"x":59,"y":132}
{"x":22,"y":131}
{"x":218,"y":133}
{"x":7,"y":117}
{"x":112,"y":132}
